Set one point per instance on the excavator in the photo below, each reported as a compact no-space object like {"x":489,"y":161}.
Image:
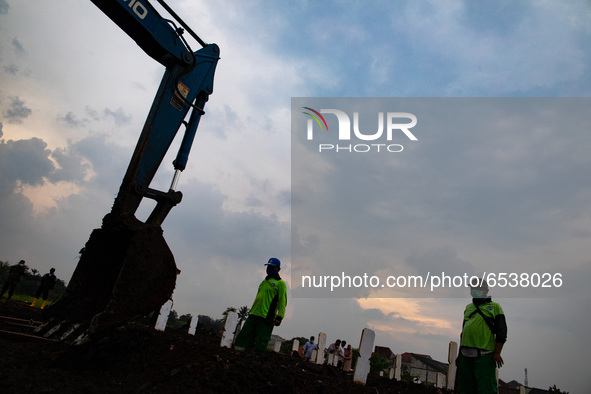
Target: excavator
{"x":126,"y":269}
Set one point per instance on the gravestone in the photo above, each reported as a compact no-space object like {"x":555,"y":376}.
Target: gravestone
{"x":368,"y":338}
{"x":295,"y":347}
{"x":163,"y":316}
{"x":398,"y":367}
{"x":321,"y":347}
{"x":229,"y":328}
{"x":452,"y":354}
{"x":277,"y":346}
{"x":313,"y":357}
{"x":193,"y":325}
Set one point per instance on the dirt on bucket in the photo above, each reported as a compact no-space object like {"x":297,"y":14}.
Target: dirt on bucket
{"x":124,"y":272}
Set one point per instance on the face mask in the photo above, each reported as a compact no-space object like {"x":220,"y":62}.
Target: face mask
{"x":477,"y":293}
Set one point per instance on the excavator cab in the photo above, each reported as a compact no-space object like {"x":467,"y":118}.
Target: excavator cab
{"x":126,"y":269}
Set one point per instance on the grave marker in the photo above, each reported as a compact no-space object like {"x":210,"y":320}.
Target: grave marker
{"x":229,"y":328}
{"x":365,"y":349}
{"x":321,"y":346}
{"x":452,"y":354}
{"x":296,"y":347}
{"x":439,"y":380}
{"x":398,"y":367}
{"x":163,"y":316}
{"x":277,"y":346}
{"x":193,"y":325}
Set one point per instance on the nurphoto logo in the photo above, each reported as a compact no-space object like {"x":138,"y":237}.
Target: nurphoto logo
{"x":397,"y":123}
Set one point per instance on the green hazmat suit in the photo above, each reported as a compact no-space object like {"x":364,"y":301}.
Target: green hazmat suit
{"x":483,"y":326}
{"x":268,"y":309}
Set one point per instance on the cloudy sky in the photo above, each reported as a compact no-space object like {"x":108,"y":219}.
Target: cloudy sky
{"x":75,"y":90}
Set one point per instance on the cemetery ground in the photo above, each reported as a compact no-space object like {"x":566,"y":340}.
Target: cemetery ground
{"x":136,"y":358}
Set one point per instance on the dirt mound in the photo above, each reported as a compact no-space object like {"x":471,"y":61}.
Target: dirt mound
{"x":137,"y":359}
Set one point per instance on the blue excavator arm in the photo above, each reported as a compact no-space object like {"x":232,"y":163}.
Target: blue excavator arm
{"x":185,"y":87}
{"x":157,"y":36}
{"x":126,"y":269}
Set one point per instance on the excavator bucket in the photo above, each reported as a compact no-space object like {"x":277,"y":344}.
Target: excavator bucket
{"x":124,"y":272}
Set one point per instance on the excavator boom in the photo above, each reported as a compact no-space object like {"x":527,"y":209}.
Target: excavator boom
{"x":126,"y":269}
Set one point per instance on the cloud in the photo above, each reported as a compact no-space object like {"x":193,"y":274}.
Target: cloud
{"x":119,"y":116}
{"x":253,"y":201}
{"x":430,"y":260}
{"x":4,"y":7}
{"x":72,"y":166}
{"x":463,"y":49}
{"x":71,"y":120}
{"x":94,"y":115}
{"x":17,"y":111}
{"x":422,"y":314}
{"x":16,"y":44}
{"x":106,"y":160}
{"x":24,"y":162}
{"x":211,"y":229}
{"x":492,"y":185}
{"x":74,"y":186}
{"x":11,"y":69}
{"x":31,"y":164}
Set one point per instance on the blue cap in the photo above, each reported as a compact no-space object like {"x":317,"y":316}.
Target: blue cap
{"x":273,"y":262}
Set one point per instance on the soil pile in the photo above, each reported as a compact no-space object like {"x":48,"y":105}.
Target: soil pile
{"x":137,"y":359}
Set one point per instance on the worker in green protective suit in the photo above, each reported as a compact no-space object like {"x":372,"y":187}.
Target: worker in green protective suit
{"x":484,"y":332}
{"x":267,"y":311}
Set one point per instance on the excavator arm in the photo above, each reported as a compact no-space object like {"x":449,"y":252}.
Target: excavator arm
{"x":183,"y":89}
{"x":126,"y":269}
{"x":186,"y":86}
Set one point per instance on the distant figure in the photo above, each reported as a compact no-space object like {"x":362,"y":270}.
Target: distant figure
{"x":348,"y":358}
{"x":341,"y":354}
{"x":47,"y":283}
{"x":309,"y":347}
{"x":484,"y":331}
{"x":333,"y":348}
{"x":14,"y":276}
{"x":266,"y":312}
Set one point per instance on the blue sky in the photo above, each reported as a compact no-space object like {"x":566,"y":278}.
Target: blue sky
{"x":75,"y":90}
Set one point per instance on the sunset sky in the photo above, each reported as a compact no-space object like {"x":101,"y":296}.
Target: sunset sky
{"x":75,"y":91}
